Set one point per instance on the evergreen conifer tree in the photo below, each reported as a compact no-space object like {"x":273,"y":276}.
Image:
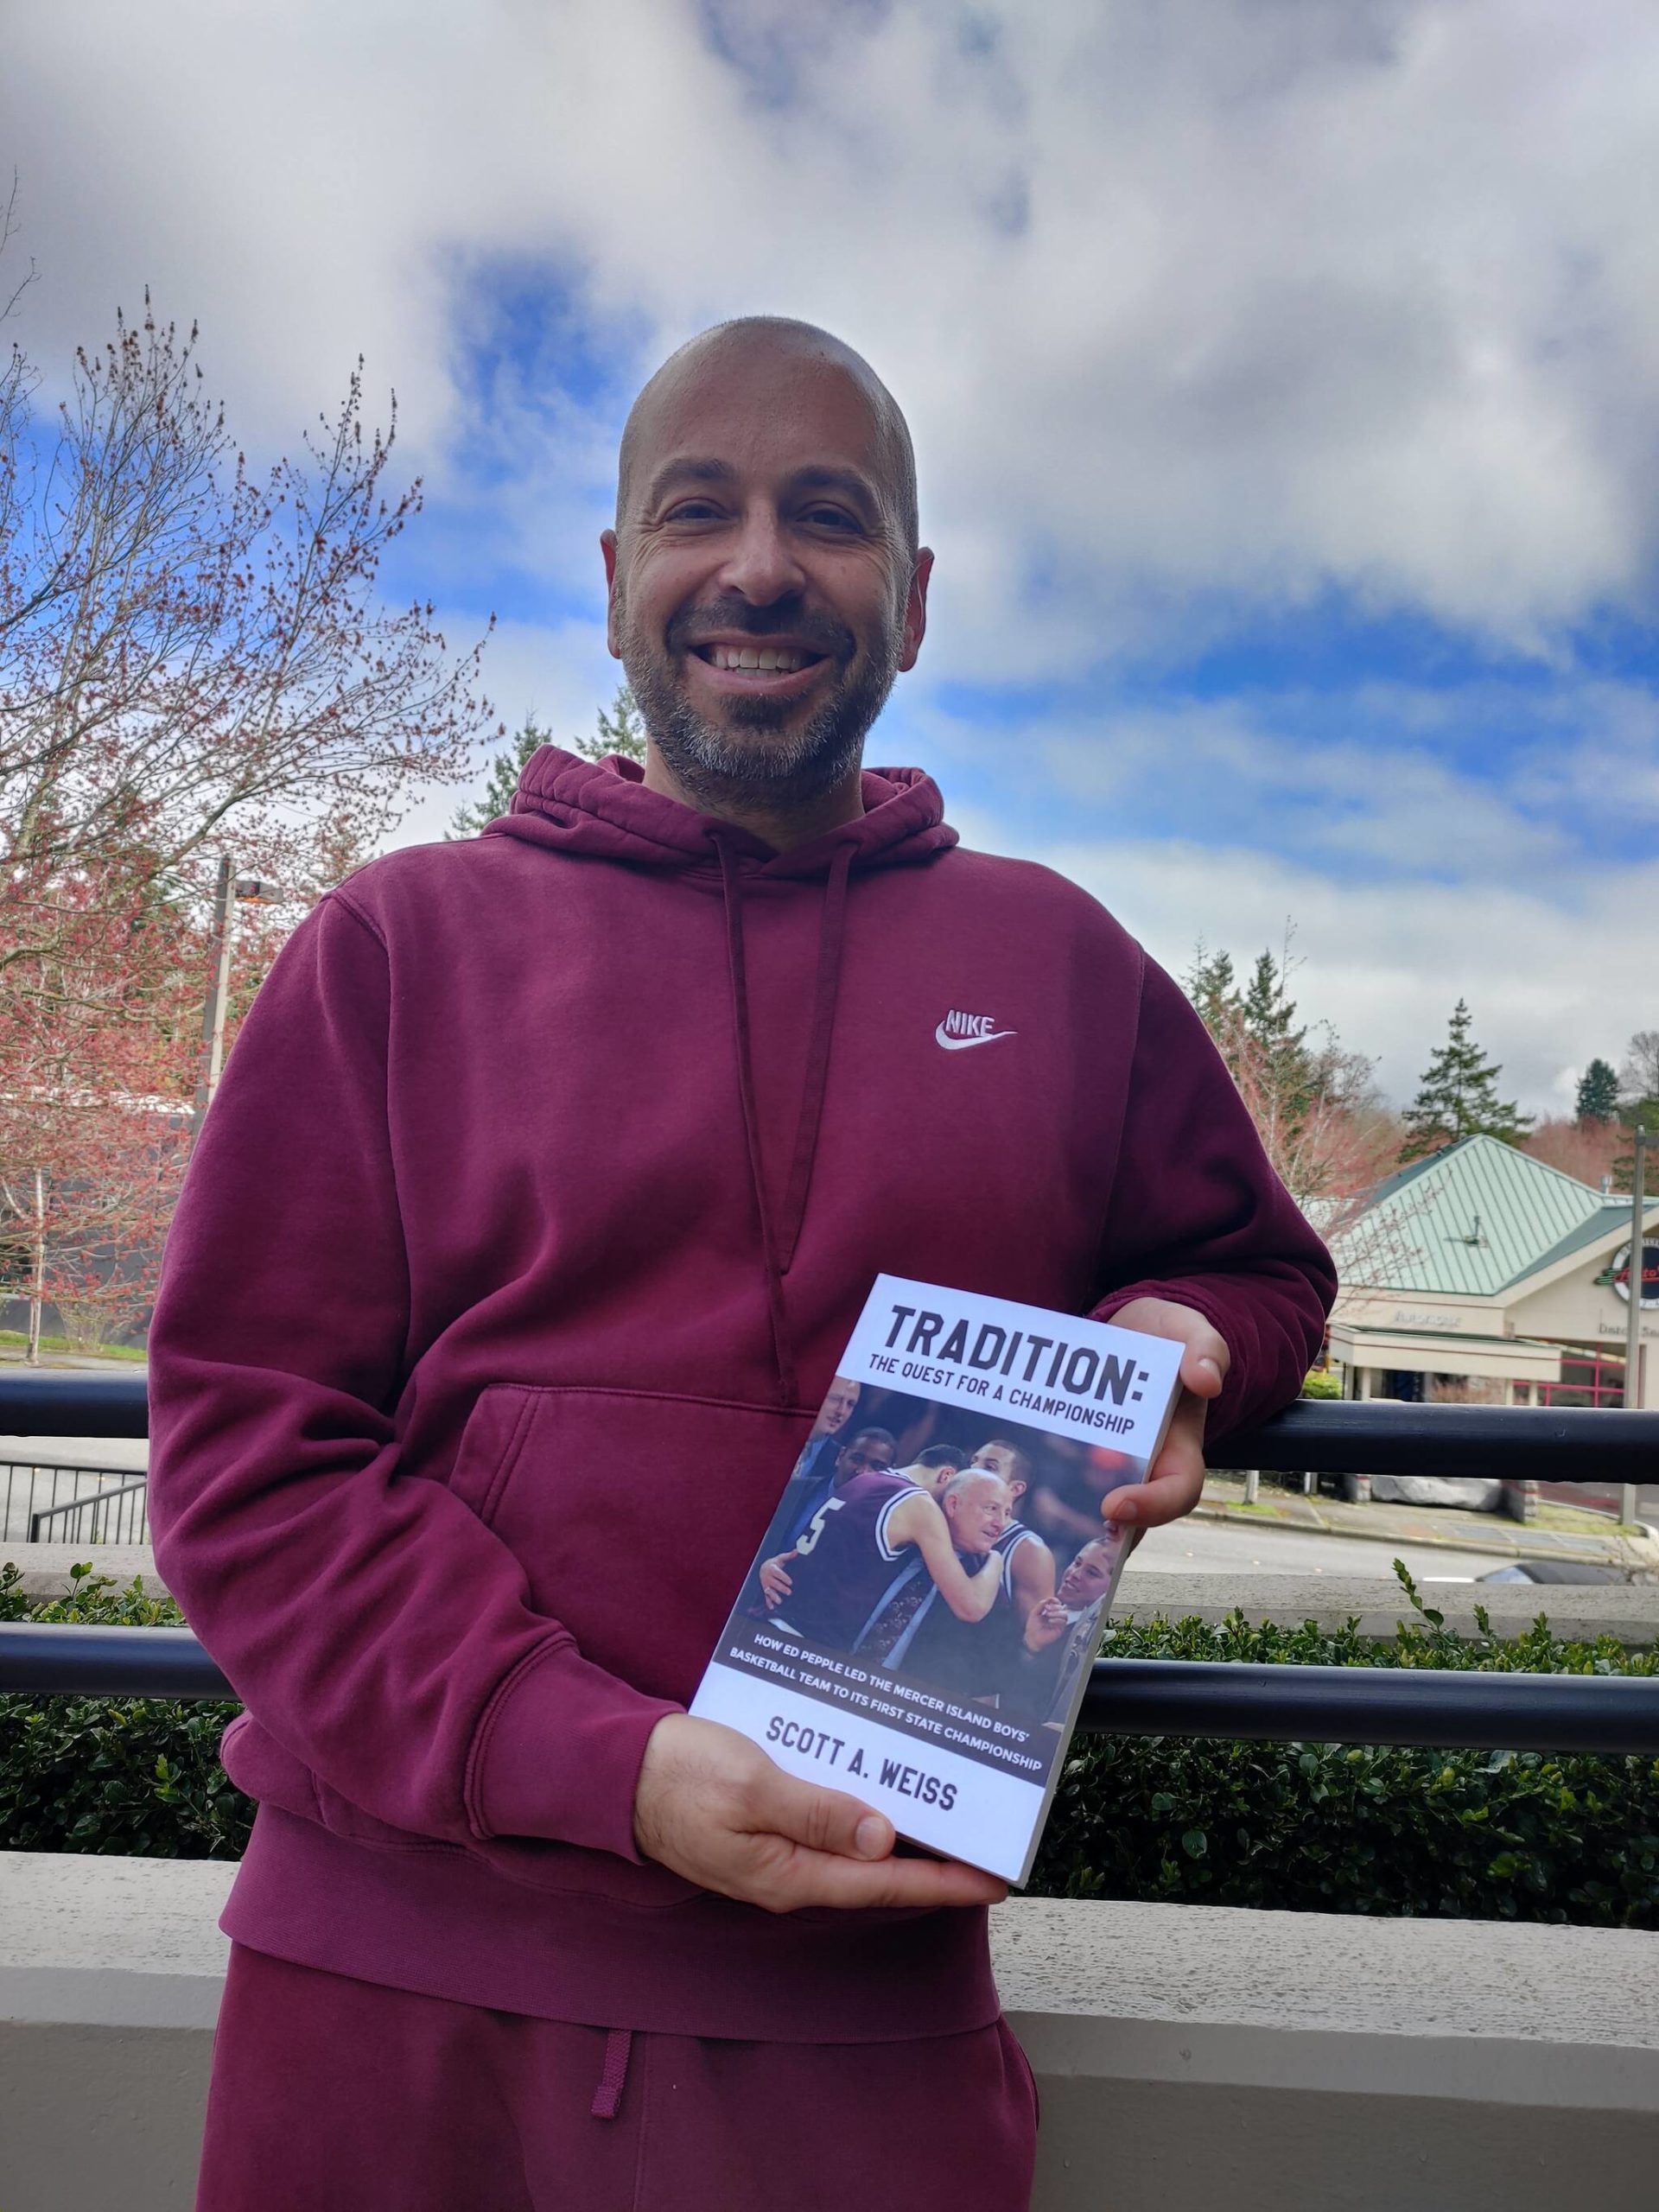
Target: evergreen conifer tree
{"x":1597,"y":1098}
{"x":621,"y":730}
{"x":496,"y":797}
{"x":1268,"y":1013}
{"x":1209,"y":984}
{"x":1458,"y":1097}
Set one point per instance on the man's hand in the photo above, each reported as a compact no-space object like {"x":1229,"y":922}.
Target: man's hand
{"x":1047,"y":1625}
{"x":712,"y":1807}
{"x":1175,"y":1479}
{"x":775,"y":1585}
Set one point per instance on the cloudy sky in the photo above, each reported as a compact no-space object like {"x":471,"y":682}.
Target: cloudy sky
{"x":1285,"y":382}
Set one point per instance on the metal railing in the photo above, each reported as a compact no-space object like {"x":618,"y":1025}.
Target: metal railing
{"x":36,"y":1496}
{"x":1607,"y":1715}
{"x":1604,"y":1713}
{"x":87,"y":1519}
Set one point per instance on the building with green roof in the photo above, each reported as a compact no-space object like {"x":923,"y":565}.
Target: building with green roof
{"x":1481,"y":1272}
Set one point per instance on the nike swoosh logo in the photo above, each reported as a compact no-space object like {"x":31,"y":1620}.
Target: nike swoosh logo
{"x":961,"y":1044}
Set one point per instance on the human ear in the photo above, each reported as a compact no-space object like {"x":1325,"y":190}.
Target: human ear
{"x":607,"y":551}
{"x":916,"y":608}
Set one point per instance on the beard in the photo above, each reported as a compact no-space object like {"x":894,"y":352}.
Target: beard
{"x":754,"y":755}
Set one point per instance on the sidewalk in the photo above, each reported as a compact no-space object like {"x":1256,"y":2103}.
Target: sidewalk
{"x":1559,"y":1533}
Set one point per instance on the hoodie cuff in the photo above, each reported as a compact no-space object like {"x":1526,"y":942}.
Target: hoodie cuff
{"x":558,"y":1754}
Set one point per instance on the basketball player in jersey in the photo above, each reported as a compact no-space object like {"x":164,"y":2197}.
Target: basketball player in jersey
{"x":837,"y":1577}
{"x":1028,"y":1564}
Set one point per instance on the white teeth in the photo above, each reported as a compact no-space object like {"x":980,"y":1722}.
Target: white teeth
{"x":762,"y":659}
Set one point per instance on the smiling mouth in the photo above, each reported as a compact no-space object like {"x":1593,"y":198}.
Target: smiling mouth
{"x":757,"y":660}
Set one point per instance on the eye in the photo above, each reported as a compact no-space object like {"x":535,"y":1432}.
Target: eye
{"x":692,"y":511}
{"x":828,"y":518}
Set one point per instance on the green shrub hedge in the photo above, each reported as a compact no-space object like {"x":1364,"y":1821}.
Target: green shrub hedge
{"x":122,"y":1775}
{"x":1311,"y":1827}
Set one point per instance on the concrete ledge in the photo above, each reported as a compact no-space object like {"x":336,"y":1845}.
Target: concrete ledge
{"x":1573,"y":1610}
{"x":1187,"y":2057}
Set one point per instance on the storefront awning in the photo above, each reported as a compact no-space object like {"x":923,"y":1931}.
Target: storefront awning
{"x":1447,"y":1351}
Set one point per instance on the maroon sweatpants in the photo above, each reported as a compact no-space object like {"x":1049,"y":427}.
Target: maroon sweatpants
{"x":334,"y":2095}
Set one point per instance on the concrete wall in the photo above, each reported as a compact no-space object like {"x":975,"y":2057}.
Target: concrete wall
{"x":1189,"y":2058}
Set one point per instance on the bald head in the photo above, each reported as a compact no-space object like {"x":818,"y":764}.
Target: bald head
{"x":766,"y":584}
{"x":815,"y":353}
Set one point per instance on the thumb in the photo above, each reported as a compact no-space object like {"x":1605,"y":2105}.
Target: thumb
{"x":823,"y":1820}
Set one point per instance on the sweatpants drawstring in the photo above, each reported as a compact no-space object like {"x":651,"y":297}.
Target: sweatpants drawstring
{"x":609,"y":2095}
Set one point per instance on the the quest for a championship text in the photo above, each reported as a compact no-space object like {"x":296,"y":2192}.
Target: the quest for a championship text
{"x":918,"y":1712}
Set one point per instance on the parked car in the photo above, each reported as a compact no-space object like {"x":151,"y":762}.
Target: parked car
{"x":1561,"y":1570}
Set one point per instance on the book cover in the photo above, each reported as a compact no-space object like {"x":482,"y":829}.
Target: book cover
{"x":919,"y":1622}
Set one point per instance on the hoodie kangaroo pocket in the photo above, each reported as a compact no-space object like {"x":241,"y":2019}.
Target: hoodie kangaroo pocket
{"x":634,"y":1514}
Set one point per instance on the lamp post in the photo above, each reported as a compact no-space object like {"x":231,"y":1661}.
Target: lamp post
{"x":250,"y":890}
{"x":1627,"y":1510}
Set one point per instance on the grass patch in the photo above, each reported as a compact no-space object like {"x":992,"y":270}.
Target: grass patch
{"x":62,"y":1344}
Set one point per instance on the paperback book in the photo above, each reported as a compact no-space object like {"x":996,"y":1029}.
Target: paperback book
{"x":919,"y":1626}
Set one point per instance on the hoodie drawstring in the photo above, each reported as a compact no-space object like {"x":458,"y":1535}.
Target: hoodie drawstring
{"x":777,"y":1241}
{"x":618,"y":2048}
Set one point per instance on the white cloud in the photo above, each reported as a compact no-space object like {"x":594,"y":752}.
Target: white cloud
{"x":1230,"y":297}
{"x":1199,"y":310}
{"x":1385,"y":962}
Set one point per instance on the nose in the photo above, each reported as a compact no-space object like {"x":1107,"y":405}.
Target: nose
{"x":762,"y":566}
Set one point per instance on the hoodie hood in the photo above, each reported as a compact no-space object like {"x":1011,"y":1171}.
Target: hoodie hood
{"x":602,"y":807}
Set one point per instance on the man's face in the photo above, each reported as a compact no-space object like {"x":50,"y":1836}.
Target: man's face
{"x":866,"y":1454}
{"x":978,"y":1514}
{"x":837,"y":1411}
{"x":1002,"y":1459}
{"x":762,"y":522}
{"x":1087,"y":1578}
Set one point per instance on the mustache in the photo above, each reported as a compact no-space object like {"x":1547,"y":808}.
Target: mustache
{"x":822,"y":633}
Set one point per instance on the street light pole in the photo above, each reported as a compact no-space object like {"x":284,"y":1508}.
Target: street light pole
{"x":1633,"y":1318}
{"x":212,"y":1012}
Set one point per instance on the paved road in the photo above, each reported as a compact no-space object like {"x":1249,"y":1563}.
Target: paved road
{"x":1224,"y":1547}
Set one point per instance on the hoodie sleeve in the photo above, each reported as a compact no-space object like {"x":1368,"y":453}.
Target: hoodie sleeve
{"x":373,"y":1627}
{"x":1197,"y":1215}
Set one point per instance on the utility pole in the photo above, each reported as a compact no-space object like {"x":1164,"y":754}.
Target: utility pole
{"x":250,"y":891}
{"x":37,"y":1289}
{"x":1627,"y":1510}
{"x":212,"y":1012}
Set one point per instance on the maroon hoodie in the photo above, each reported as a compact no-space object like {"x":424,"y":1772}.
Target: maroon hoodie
{"x":545,"y":1181}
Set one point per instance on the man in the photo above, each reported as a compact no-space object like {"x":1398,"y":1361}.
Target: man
{"x":1063,"y":1636}
{"x":837,"y":1577}
{"x":869,"y":1452}
{"x":513,"y":1929}
{"x":818,"y":1453}
{"x":933,"y":1467}
{"x":1028,"y":1564}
